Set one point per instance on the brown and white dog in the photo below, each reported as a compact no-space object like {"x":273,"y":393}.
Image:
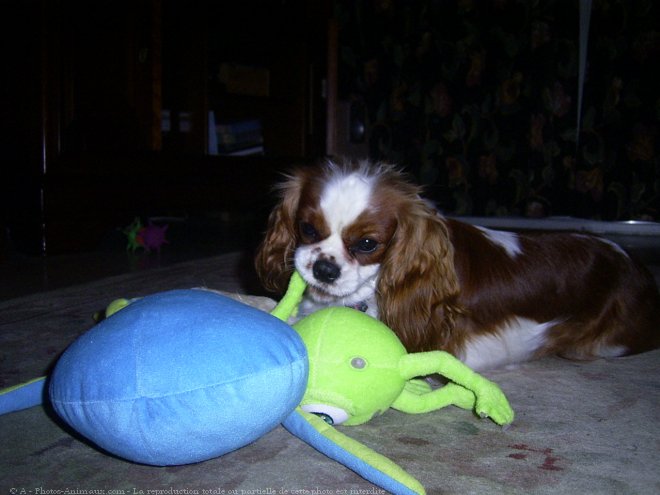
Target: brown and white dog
{"x":362,"y":236}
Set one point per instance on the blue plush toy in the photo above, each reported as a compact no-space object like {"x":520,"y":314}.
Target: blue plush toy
{"x":187,"y":375}
{"x":180,"y":377}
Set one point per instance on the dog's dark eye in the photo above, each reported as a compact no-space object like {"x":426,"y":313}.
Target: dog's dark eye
{"x":308,"y":231}
{"x":365,"y":246}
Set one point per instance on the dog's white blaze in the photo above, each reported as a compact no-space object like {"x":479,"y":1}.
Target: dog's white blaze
{"x":507,"y":240}
{"x":333,"y":246}
{"x":344,"y":199}
{"x":515,"y":342}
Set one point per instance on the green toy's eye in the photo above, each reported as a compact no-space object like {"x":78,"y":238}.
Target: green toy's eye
{"x":325,"y":417}
{"x":358,"y":363}
{"x":330,"y":414}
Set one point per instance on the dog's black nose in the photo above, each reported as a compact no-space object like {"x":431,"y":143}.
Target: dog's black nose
{"x":326,"y":271}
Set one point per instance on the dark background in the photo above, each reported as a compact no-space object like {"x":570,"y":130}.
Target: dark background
{"x":477,"y":100}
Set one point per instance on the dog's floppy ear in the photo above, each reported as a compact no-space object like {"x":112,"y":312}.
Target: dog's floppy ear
{"x":274,"y":259}
{"x":418,"y":286}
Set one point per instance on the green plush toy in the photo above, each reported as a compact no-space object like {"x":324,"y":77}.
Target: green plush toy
{"x":358,"y":369}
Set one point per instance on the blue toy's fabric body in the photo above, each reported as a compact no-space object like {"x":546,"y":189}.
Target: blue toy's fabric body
{"x":180,"y":377}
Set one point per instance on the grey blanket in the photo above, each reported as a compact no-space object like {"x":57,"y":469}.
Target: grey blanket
{"x":584,"y":428}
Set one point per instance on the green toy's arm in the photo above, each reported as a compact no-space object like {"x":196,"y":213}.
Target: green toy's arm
{"x":451,"y":394}
{"x":289,"y":303}
{"x":468,"y":390}
{"x":369,"y":464}
{"x":22,"y":396}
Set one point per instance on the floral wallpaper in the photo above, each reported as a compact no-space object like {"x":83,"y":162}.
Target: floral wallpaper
{"x":478,"y":99}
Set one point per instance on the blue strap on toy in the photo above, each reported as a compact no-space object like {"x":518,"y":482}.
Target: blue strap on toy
{"x":23,"y":396}
{"x":367,"y":463}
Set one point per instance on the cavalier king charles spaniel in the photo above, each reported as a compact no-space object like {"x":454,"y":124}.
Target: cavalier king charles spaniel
{"x":362,"y":236}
